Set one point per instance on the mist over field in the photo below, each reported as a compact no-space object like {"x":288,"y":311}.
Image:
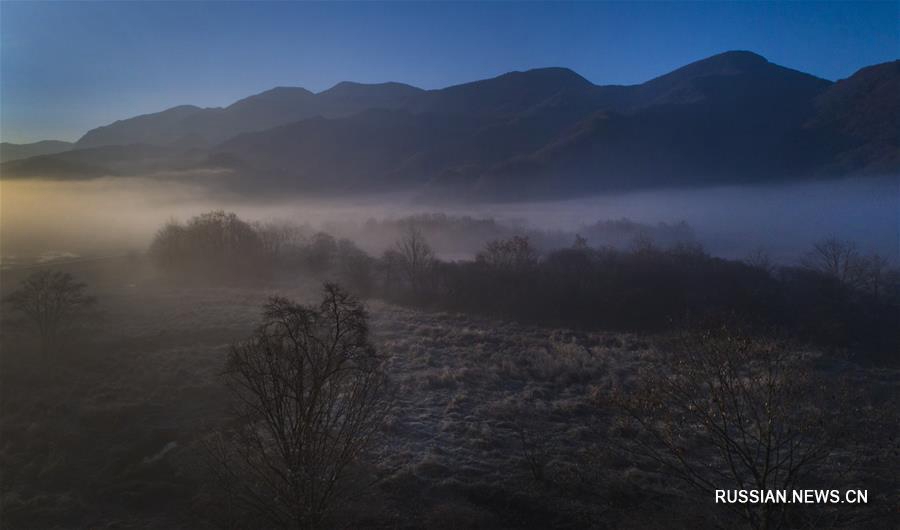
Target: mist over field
{"x":117,"y":215}
{"x":449,"y":265}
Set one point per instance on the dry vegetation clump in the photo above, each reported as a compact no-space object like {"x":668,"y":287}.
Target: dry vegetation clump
{"x":837,"y":299}
{"x":220,"y":249}
{"x":217,"y":246}
{"x":52,"y":302}
{"x":723,"y":410}
{"x":311,"y":395}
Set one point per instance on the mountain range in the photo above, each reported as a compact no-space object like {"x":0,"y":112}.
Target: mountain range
{"x":731,"y":118}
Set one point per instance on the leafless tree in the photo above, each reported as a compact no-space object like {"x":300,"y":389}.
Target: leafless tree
{"x":836,"y":258}
{"x":321,"y":252}
{"x":876,"y":275}
{"x":643,"y":243}
{"x":416,"y":258}
{"x":513,"y":254}
{"x":723,"y":410}
{"x":841,"y":260}
{"x":280,"y":240}
{"x":51,"y":301}
{"x":390,"y":265}
{"x":354,"y":268}
{"x":310,"y":394}
{"x":759,"y":258}
{"x":217,"y":243}
{"x":168,"y":246}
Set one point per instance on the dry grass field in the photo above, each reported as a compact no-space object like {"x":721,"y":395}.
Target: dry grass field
{"x":495,"y":424}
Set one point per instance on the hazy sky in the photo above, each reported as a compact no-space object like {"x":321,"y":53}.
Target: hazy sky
{"x":68,"y":67}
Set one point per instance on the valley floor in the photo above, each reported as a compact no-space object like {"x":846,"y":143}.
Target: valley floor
{"x":489,"y":429}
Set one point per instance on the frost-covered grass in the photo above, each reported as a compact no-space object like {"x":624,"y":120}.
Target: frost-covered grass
{"x":494,"y":425}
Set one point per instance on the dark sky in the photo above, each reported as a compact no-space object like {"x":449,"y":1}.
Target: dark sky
{"x":68,"y":67}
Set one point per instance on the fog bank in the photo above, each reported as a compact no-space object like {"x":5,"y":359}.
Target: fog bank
{"x":111,"y":216}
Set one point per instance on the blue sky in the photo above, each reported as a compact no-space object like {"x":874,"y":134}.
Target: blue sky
{"x":68,"y":67}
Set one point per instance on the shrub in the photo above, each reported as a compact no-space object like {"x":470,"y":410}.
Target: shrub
{"x":514,"y":254}
{"x":354,"y":268}
{"x":216,"y":245}
{"x":52,"y":301}
{"x":321,"y":252}
{"x":310,"y":394}
{"x":722,"y":410}
{"x":416,"y":259}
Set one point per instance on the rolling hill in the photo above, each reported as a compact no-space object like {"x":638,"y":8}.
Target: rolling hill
{"x":10,"y":151}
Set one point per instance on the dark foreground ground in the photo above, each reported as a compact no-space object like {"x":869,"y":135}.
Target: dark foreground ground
{"x":494,"y":427}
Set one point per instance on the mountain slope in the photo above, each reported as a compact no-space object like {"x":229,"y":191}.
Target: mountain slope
{"x":731,"y":118}
{"x":159,"y":128}
{"x":10,"y":151}
{"x":734,"y":117}
{"x":723,"y":75}
{"x":196,"y":127}
{"x":361,"y":152}
{"x":858,"y":118}
{"x":108,"y":160}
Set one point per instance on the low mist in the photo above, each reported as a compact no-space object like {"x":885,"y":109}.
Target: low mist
{"x":47,"y":219}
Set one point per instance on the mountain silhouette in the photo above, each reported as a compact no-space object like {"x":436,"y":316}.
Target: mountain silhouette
{"x":731,"y":118}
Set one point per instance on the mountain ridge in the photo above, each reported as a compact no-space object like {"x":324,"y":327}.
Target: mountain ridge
{"x":11,"y":151}
{"x":732,"y":117}
{"x":553,"y":78}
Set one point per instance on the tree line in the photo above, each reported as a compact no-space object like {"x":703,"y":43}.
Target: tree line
{"x":836,"y":297}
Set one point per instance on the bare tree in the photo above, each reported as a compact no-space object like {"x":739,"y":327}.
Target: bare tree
{"x":841,"y":260}
{"x":726,"y":411}
{"x":416,"y":257}
{"x":876,"y":275}
{"x":513,"y":254}
{"x":643,"y":243}
{"x":759,"y":258}
{"x":310,"y":394}
{"x":169,"y":246}
{"x":354,"y":267}
{"x":280,"y":240}
{"x":51,"y":301}
{"x":836,"y":258}
{"x":321,"y":252}
{"x":213,"y":243}
{"x":390,"y":265}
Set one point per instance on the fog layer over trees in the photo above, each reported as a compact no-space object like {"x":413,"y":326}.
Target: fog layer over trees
{"x":114,"y":216}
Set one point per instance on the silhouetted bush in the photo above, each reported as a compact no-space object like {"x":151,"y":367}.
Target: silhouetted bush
{"x":52,"y":302}
{"x":310,"y":395}
{"x":354,"y":268}
{"x":458,"y":235}
{"x":415,"y":261}
{"x":653,"y":289}
{"x":215,"y":245}
{"x":724,"y":410}
{"x":513,"y":254}
{"x":283,"y":243}
{"x":320,"y":252}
